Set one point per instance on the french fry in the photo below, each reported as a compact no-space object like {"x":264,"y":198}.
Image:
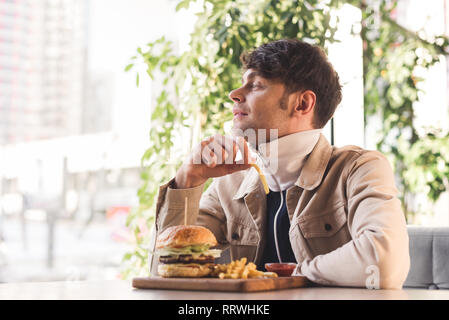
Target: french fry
{"x":262,"y":178}
{"x":270,"y":274}
{"x":239,"y":269}
{"x":245,"y":273}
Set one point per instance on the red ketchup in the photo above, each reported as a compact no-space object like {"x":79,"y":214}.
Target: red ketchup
{"x":282,"y":269}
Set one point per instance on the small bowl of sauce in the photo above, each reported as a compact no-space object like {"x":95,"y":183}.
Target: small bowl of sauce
{"x":282,"y":269}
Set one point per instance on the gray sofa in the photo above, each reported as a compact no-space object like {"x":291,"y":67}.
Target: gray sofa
{"x":429,"y":258}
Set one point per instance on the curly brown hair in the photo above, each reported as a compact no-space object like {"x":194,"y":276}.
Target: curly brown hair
{"x":299,"y":66}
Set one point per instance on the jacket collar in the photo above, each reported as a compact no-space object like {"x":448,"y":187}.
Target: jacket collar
{"x":311,"y":174}
{"x":316,"y":163}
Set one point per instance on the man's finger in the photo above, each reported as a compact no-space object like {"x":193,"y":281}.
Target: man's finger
{"x":231,"y":168}
{"x":227,"y":143}
{"x":244,"y":150}
{"x":235,"y":150}
{"x":208,"y":157}
{"x":219,"y":151}
{"x":246,"y":155}
{"x":223,"y":170}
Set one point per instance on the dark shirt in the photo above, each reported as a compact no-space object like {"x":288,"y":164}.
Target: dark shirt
{"x":283,"y":226}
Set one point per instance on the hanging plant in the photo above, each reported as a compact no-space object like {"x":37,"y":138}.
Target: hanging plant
{"x":392,"y":59}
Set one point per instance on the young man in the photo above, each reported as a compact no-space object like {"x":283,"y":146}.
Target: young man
{"x":340,"y":219}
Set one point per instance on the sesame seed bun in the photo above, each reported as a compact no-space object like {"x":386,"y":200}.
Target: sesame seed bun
{"x":185,"y":235}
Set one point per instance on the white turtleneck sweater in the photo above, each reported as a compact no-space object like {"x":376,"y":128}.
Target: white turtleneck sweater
{"x":283,"y":158}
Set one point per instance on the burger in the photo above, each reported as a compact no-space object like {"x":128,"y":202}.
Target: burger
{"x":185,"y":251}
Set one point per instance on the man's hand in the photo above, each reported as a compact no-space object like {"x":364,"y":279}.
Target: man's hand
{"x":213,"y":157}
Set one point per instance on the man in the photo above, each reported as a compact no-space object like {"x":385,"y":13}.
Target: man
{"x":333,"y":211}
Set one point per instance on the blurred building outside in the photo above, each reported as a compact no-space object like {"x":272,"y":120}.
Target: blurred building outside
{"x":73,"y":126}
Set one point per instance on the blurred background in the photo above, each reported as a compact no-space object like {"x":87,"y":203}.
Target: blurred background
{"x":74,"y":126}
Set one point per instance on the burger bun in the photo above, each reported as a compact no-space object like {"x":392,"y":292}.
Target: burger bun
{"x":185,"y":235}
{"x":184,"y":270}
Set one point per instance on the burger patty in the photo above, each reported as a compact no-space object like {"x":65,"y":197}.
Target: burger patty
{"x":186,"y":258}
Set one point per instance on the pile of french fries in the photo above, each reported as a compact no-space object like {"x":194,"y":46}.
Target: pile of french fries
{"x":239,"y":269}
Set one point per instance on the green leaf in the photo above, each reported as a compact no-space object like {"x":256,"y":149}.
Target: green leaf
{"x":137,"y":80}
{"x":184,"y":4}
{"x":129,"y":67}
{"x":127,"y":256}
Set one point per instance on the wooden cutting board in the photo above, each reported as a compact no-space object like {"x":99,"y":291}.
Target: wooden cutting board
{"x":213,"y":284}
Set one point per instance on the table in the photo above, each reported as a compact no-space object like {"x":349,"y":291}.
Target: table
{"x":122,"y":290}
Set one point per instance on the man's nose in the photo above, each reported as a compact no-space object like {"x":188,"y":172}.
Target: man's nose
{"x":237,"y":96}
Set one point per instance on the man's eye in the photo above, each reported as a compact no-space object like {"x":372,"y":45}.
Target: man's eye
{"x":254,"y":85}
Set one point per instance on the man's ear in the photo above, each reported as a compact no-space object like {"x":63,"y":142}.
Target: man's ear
{"x":305,"y":101}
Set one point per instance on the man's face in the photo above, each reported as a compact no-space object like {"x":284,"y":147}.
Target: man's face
{"x":260,"y":103}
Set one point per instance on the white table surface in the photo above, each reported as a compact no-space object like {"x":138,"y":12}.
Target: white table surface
{"x":122,"y":290}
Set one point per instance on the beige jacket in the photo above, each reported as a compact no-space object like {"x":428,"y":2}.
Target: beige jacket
{"x":347,"y":226}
